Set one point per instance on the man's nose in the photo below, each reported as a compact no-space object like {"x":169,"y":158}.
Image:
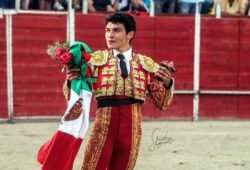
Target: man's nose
{"x":110,"y":34}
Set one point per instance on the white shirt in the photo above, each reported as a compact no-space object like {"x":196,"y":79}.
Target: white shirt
{"x":128,"y":57}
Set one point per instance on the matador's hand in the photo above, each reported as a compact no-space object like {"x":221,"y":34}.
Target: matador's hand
{"x":164,"y":73}
{"x":72,"y":74}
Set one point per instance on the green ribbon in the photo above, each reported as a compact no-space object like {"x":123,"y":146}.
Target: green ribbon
{"x":81,"y":82}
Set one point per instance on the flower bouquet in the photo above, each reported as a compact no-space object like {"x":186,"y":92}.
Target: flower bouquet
{"x":69,"y":56}
{"x":61,"y":149}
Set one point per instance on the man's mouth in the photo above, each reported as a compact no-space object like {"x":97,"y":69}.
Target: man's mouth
{"x":111,"y":41}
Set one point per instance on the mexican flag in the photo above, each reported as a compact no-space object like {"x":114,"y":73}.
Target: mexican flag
{"x":59,"y":152}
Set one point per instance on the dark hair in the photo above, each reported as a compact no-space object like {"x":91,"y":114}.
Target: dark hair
{"x":122,"y":18}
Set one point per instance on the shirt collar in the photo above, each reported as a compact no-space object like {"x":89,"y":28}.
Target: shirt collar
{"x":127,"y":54}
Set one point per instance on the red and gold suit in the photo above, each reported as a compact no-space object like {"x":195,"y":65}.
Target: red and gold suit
{"x":115,"y":138}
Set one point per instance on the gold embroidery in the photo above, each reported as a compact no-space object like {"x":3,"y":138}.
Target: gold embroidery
{"x":137,"y":86}
{"x":133,"y":86}
{"x":104,"y":90}
{"x":110,"y":91}
{"x":104,"y":80}
{"x":112,"y":72}
{"x":142,"y":85}
{"x":148,"y":64}
{"x":161,"y":96}
{"x":136,"y":82}
{"x":75,"y":112}
{"x":105,"y":71}
{"x":99,"y":58}
{"x":111,"y":80}
{"x":101,"y":91}
{"x":112,"y":61}
{"x":136,"y":135}
{"x":136,"y":76}
{"x":143,"y":96}
{"x":139,"y":95}
{"x":141,"y":74}
{"x":136,"y":72}
{"x":119,"y":91}
{"x":168,"y":98}
{"x":113,"y":68}
{"x":128,"y":87}
{"x":128,"y":93}
{"x":136,"y":94}
{"x":142,"y":77}
{"x":134,"y":64}
{"x":119,"y":85}
{"x":97,"y":138}
{"x":109,"y":75}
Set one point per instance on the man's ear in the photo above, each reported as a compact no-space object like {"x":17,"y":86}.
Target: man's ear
{"x":130,"y":35}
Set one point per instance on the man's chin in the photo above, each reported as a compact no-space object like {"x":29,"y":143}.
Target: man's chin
{"x":111,"y":47}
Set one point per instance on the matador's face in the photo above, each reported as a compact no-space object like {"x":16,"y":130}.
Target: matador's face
{"x":116,"y":37}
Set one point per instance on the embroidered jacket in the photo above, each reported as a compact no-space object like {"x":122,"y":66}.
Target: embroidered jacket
{"x":138,"y":84}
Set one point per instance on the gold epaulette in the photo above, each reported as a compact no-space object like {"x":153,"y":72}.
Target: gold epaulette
{"x":148,"y":63}
{"x":99,"y":58}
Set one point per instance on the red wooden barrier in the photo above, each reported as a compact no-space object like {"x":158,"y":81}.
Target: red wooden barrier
{"x":175,"y":42}
{"x":219,"y":66}
{"x":224,"y":66}
{"x":244,"y":67}
{"x":224,"y":62}
{"x":219,"y":54}
{"x":37,"y":79}
{"x":3,"y":77}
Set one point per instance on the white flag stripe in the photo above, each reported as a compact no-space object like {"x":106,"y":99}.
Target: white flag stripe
{"x":86,"y":96}
{"x":78,"y":127}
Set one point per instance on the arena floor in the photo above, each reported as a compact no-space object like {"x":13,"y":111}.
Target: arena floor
{"x":166,"y":145}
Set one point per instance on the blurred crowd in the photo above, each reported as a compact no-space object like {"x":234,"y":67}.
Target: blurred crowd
{"x":140,"y":7}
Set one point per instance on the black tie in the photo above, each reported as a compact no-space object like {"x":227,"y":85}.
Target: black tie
{"x":124,"y":71}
